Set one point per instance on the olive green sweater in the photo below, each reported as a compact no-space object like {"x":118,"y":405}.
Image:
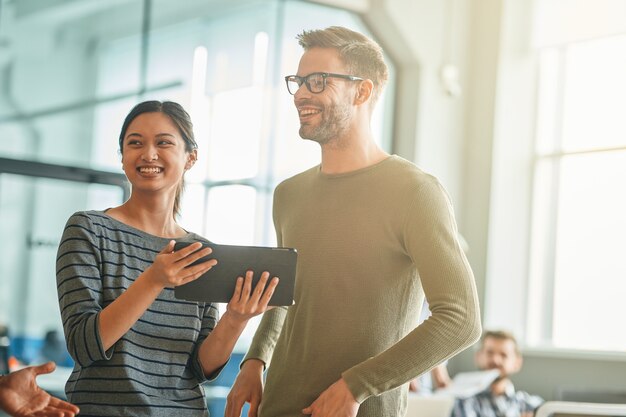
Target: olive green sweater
{"x":371,"y":244}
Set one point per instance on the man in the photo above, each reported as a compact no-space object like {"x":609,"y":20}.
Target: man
{"x":499,"y":350}
{"x":374,"y":234}
{"x":21,"y":397}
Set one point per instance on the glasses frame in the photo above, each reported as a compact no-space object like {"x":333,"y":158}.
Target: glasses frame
{"x":305,"y":80}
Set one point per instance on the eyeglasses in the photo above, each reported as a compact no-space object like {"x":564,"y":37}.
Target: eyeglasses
{"x":315,"y":82}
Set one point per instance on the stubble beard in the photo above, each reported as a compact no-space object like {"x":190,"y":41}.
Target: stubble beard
{"x":334,"y":123}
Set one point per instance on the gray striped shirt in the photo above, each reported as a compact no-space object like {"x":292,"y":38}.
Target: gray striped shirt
{"x":153,"y":370}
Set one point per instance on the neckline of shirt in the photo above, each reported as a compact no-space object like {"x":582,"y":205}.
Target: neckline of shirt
{"x":142,"y":232}
{"x":356,"y":172}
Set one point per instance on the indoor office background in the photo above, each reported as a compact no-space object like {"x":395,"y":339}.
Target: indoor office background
{"x":516,"y":106}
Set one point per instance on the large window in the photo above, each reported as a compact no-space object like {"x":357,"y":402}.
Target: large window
{"x":556,"y":266}
{"x":71,"y":70}
{"x":578,"y":250}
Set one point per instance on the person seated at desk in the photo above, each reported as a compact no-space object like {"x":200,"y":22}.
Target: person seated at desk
{"x":21,"y":397}
{"x":498,"y":350}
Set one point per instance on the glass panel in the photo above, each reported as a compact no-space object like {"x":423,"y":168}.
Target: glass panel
{"x":33,"y":213}
{"x":595,"y":94}
{"x":231,"y":215}
{"x":48,"y":106}
{"x":236,"y":134}
{"x":193,"y":214}
{"x":107,"y":122}
{"x":548,"y":106}
{"x":590,"y":266}
{"x":541,"y":268}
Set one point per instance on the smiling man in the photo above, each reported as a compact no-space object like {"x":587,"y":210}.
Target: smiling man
{"x":375,"y":235}
{"x":498,"y":350}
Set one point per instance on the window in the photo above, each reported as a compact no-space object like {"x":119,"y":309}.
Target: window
{"x":577,"y":245}
{"x":66,"y":99}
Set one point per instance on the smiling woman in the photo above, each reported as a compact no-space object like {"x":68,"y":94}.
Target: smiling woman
{"x":154,"y":130}
{"x":137,"y":349}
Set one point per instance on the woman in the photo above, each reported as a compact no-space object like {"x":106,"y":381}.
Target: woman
{"x":137,"y":349}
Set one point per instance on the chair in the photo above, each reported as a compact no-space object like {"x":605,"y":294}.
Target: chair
{"x":580,"y":409}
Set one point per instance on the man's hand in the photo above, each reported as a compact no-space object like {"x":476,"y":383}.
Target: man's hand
{"x":21,"y":397}
{"x":336,"y":401}
{"x":248,"y":388}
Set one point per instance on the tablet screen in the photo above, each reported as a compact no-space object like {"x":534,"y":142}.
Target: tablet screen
{"x":218,"y":284}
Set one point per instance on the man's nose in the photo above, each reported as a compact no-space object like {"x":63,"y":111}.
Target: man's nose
{"x":302,"y":91}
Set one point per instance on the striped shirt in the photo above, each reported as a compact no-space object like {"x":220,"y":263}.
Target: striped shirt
{"x":153,"y":370}
{"x":485,"y":404}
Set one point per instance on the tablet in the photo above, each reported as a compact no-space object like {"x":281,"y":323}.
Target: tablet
{"x":218,"y":283}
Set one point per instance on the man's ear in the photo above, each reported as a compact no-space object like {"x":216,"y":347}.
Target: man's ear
{"x":363,"y":92}
{"x":192,"y":157}
{"x":519,"y":362}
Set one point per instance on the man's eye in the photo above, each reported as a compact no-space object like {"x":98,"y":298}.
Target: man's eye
{"x":318,"y":81}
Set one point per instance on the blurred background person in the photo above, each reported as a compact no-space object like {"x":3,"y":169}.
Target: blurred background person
{"x":498,"y":350}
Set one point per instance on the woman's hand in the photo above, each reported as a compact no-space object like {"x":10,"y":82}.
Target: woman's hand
{"x":247,"y":303}
{"x":171,"y":269}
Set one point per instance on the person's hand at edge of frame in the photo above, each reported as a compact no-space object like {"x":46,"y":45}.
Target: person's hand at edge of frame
{"x":20,"y":396}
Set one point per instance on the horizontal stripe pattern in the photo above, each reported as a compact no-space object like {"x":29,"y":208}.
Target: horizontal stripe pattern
{"x":153,"y":370}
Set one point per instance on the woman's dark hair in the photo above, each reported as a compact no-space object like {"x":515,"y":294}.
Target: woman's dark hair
{"x":179,"y":117}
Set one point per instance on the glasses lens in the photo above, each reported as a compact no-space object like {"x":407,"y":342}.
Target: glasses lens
{"x":292,"y":85}
{"x":316,"y":83}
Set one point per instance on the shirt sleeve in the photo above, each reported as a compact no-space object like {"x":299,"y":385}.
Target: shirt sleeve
{"x":530,"y":403}
{"x":209,"y":320}
{"x":79,"y":288}
{"x":465,"y":407}
{"x":266,"y":336}
{"x":430,"y":239}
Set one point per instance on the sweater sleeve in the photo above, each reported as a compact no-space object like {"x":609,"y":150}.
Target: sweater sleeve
{"x":430,"y":239}
{"x":266,"y":336}
{"x":79,"y":288}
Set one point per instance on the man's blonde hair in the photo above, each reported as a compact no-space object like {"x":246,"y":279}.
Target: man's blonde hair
{"x":500,"y":335}
{"x":363,"y":56}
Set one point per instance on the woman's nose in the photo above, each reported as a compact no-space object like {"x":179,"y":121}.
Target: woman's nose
{"x":150,"y":155}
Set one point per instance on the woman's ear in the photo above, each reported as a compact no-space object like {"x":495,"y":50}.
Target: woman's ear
{"x":192,"y":157}
{"x":364,"y":92}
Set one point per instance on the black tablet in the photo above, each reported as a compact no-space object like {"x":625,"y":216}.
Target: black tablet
{"x":218,"y":284}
